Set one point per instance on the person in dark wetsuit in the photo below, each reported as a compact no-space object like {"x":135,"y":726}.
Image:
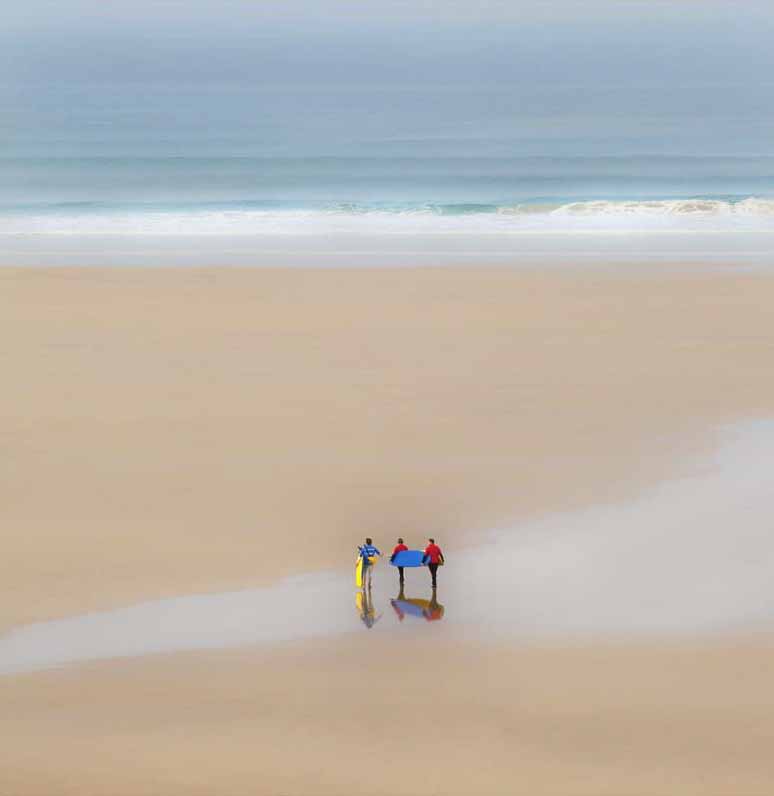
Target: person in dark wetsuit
{"x":399,"y":548}
{"x":433,"y":559}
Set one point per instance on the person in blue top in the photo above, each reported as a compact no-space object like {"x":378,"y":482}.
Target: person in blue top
{"x":367,"y":551}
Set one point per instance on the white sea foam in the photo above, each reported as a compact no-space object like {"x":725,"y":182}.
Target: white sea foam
{"x":711,"y":208}
{"x":671,"y":216}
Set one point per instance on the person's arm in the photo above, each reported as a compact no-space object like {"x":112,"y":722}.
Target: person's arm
{"x":440,"y":555}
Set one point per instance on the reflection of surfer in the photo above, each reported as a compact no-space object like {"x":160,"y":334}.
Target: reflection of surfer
{"x":368,"y":552}
{"x":396,"y":603}
{"x":365,"y":607}
{"x":399,"y":548}
{"x":430,"y":610}
{"x":434,"y":610}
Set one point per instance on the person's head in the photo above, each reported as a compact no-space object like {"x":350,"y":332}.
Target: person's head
{"x":432,"y":541}
{"x":369,"y":540}
{"x":400,"y":540}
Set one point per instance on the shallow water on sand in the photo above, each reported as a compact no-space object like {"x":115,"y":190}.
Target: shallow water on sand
{"x":693,"y":556}
{"x":374,"y":248}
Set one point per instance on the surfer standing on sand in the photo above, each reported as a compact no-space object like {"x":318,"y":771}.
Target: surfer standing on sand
{"x":399,"y":548}
{"x":366,"y":552}
{"x":433,"y":557}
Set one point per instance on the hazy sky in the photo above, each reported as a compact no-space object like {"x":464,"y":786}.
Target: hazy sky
{"x":445,"y":11}
{"x":391,"y":40}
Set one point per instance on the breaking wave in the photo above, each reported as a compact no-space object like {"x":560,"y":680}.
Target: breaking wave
{"x":274,"y":218}
{"x":670,"y":207}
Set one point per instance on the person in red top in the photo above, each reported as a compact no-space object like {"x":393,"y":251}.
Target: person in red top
{"x":399,"y":548}
{"x":433,"y":557}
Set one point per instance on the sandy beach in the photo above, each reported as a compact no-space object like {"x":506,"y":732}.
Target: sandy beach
{"x":179,"y":431}
{"x":438,"y":719}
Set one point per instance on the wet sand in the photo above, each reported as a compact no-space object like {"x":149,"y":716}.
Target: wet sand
{"x":689,"y":558}
{"x":171,"y":432}
{"x":368,"y":716}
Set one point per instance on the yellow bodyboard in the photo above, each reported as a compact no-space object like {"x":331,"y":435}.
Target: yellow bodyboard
{"x":359,"y":572}
{"x":359,"y":569}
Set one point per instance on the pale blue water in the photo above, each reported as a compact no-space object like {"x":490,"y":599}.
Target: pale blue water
{"x":446,"y":185}
{"x":85,"y":159}
{"x":340,"y":119}
{"x":254,"y":194}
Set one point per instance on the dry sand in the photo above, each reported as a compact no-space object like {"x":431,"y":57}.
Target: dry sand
{"x":173,"y":431}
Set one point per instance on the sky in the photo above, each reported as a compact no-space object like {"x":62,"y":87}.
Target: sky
{"x":36,"y":12}
{"x":390,"y":40}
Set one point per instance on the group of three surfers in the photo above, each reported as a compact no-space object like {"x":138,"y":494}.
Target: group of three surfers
{"x":433,"y":557}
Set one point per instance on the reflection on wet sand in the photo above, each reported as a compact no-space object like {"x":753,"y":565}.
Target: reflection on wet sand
{"x":430,"y":610}
{"x":562,"y":571}
{"x":365,"y":608}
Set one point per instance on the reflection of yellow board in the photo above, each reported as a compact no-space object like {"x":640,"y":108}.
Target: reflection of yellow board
{"x":359,"y":569}
{"x":363,"y":606}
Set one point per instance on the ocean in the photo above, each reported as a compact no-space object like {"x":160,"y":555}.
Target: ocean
{"x":250,"y":195}
{"x":161,"y":162}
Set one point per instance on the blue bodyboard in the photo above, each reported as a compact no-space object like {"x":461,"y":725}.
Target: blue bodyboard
{"x":408,"y":558}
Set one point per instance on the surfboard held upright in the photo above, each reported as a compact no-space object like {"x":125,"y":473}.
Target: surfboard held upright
{"x":359,"y":569}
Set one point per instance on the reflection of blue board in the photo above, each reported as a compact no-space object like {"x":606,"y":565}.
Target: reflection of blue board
{"x":408,"y":607}
{"x":408,"y":558}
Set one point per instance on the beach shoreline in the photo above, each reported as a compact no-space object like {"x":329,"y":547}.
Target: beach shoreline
{"x":551,"y":249}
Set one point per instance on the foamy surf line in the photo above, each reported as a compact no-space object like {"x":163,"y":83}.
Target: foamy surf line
{"x":690,"y":557}
{"x":696,"y":230}
{"x":236,"y":219}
